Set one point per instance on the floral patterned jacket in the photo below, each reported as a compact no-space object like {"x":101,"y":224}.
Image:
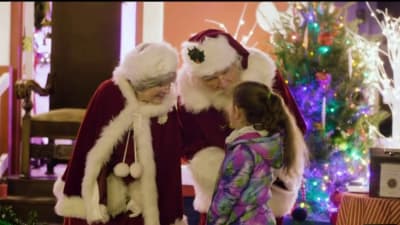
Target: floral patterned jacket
{"x":245,"y":178}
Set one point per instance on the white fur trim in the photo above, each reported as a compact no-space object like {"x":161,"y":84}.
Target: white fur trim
{"x":58,"y":187}
{"x":116,"y":195}
{"x":148,"y":180}
{"x":148,"y":60}
{"x":205,"y":166}
{"x":261,"y":68}
{"x":218,"y":55}
{"x":75,"y":207}
{"x":67,"y":206}
{"x":135,"y":205}
{"x":71,"y":207}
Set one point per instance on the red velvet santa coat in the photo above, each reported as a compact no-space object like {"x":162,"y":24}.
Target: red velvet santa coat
{"x":90,"y":191}
{"x":205,"y":129}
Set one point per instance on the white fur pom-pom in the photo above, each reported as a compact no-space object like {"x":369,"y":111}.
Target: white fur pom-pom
{"x":121,"y":169}
{"x":136,"y":170}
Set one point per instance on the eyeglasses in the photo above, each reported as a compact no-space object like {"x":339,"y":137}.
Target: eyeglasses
{"x":216,"y":75}
{"x":158,"y":81}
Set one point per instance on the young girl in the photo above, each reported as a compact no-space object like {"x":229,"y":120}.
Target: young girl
{"x":265,"y":138}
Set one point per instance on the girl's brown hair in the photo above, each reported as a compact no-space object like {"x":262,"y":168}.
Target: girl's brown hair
{"x":266,"y":110}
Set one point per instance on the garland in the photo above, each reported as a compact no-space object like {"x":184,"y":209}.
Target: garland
{"x":9,"y":217}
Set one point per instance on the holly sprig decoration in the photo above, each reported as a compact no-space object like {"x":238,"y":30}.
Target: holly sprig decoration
{"x":196,"y":55}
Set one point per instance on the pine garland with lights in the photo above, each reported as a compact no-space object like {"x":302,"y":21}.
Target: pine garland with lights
{"x":9,"y":217}
{"x":326,"y":76}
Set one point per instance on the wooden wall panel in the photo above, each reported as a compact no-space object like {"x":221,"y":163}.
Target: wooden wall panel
{"x":14,"y":109}
{"x":4,"y":116}
{"x":85,"y":49}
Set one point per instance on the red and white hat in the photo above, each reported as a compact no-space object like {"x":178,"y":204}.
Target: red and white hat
{"x":211,"y":51}
{"x":148,"y":61}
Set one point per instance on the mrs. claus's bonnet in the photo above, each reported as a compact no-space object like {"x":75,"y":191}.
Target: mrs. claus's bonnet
{"x":148,"y":62}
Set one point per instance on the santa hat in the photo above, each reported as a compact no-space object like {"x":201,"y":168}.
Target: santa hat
{"x":148,"y":61}
{"x":211,"y":51}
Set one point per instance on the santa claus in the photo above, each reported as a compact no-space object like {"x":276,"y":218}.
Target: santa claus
{"x":213,"y":63}
{"x":125,"y":168}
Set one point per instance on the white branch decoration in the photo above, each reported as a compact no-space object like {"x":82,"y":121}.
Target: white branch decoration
{"x":221,"y":25}
{"x":241,"y":21}
{"x":389,"y":88}
{"x":245,"y":38}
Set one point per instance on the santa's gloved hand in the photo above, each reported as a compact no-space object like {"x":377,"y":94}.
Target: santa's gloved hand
{"x":134,"y":208}
{"x":284,"y":192}
{"x":290,"y":182}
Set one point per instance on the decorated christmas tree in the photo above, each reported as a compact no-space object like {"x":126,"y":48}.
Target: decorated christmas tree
{"x":328,"y":78}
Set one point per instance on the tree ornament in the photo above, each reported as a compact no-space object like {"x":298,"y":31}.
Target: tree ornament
{"x":325,"y":38}
{"x":305,"y":39}
{"x":324,"y":79}
{"x":336,"y":198}
{"x":318,"y":126}
{"x":295,"y":38}
{"x":299,"y":214}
